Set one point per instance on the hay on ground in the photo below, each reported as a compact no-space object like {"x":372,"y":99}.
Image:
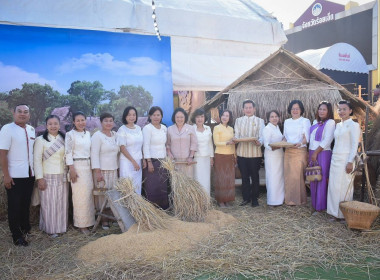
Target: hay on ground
{"x":264,"y":243}
{"x":153,"y":245}
{"x":146,"y":215}
{"x":189,"y":201}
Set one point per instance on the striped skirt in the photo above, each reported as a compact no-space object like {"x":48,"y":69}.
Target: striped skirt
{"x":224,"y":178}
{"x":54,"y":204}
{"x":83,"y":199}
{"x":110,"y":177}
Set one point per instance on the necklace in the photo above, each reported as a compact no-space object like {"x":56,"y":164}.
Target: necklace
{"x":108,"y":135}
{"x":130,"y":127}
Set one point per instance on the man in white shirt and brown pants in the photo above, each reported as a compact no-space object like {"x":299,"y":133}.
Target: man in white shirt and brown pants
{"x":249,"y":154}
{"x":16,"y":157}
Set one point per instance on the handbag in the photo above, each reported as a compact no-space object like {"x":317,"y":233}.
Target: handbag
{"x":35,"y":200}
{"x":313,"y":172}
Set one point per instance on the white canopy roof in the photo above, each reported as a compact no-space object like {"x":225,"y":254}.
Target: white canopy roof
{"x":340,"y":57}
{"x":213,"y":42}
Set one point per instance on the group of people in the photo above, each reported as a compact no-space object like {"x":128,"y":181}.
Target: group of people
{"x":55,"y":159}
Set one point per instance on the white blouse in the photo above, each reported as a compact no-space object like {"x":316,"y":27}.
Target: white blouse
{"x":132,"y":139}
{"x":77,"y":145}
{"x":347,"y":136}
{"x":104,"y":151}
{"x":327,"y":136}
{"x":205,"y":147}
{"x":294,"y":130}
{"x":154,"y":141}
{"x":271,"y":134}
{"x":55,"y":164}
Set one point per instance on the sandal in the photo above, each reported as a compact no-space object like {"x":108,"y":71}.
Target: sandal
{"x":105,"y":226}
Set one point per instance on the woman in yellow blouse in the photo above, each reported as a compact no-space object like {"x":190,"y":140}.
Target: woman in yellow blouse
{"x":224,"y":160}
{"x":49,"y":151}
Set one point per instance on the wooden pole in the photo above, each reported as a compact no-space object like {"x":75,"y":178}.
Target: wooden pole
{"x":360,"y":91}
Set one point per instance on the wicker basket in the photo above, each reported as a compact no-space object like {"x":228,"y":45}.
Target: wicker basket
{"x":359,"y":215}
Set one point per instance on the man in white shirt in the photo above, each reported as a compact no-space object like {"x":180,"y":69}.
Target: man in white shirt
{"x":249,"y":154}
{"x":16,"y":157}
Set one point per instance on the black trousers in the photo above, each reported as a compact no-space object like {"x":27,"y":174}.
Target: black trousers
{"x":19,"y":197}
{"x":249,"y":169}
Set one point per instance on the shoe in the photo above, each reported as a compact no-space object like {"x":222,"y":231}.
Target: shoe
{"x":21,"y":242}
{"x":105,"y":227}
{"x":244,"y":203}
{"x":255,"y":204}
{"x":54,"y":235}
{"x":222,"y":205}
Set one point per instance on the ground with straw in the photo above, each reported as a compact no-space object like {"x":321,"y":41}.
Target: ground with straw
{"x":265,"y":242}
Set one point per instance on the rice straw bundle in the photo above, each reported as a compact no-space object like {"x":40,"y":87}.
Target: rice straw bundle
{"x":190,"y":202}
{"x":145,"y":213}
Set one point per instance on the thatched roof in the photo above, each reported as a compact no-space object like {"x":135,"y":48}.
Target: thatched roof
{"x":277,"y":80}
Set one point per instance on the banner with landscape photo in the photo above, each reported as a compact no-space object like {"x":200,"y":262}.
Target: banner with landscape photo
{"x":66,"y":70}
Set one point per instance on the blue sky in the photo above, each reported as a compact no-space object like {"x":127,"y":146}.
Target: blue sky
{"x":60,"y":56}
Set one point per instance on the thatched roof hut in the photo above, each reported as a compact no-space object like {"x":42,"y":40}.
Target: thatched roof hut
{"x":277,"y":80}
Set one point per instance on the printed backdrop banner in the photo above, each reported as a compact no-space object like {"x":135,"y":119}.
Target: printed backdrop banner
{"x":91,"y":71}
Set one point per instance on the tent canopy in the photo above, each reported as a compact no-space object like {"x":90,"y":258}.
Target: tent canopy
{"x":338,"y":57}
{"x":213,"y":42}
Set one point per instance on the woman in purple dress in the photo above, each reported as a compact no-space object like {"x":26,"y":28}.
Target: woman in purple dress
{"x":321,"y":136}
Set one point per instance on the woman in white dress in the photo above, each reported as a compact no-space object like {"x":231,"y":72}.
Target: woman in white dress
{"x":104,"y":155}
{"x":205,"y":151}
{"x":49,"y":169}
{"x":78,"y":152}
{"x":130,"y":140}
{"x":347,"y":136}
{"x":274,"y":161}
{"x":296,"y":131}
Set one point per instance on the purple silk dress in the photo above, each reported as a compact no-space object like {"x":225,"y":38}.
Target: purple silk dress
{"x":319,"y":189}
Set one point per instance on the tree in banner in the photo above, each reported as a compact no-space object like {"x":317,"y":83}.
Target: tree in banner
{"x":85,"y":94}
{"x":128,"y":95}
{"x":5,"y":113}
{"x":76,"y":103}
{"x":38,"y":97}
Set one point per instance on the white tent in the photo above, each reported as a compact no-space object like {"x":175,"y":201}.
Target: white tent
{"x":339,"y":57}
{"x":213,"y":41}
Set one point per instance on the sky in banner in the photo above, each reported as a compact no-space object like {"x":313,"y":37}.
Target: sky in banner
{"x":59,"y":57}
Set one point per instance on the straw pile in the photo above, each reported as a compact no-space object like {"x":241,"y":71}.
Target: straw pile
{"x":153,"y":245}
{"x":146,"y":215}
{"x":189,"y":201}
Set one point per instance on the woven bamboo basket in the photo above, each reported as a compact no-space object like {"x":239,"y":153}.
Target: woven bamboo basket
{"x":359,"y":215}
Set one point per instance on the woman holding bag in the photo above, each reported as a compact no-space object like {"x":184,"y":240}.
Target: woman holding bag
{"x":104,"y":159}
{"x":321,"y":136}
